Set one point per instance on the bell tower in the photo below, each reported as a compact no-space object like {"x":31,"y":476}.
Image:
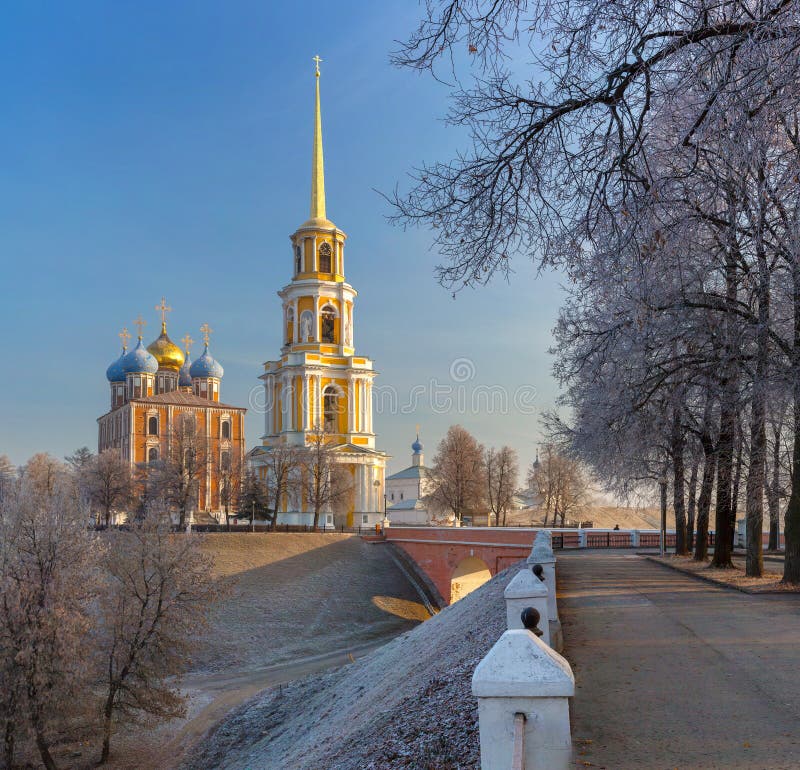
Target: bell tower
{"x":319,"y":383}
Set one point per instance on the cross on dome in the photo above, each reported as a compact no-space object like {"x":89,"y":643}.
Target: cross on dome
{"x":187,"y":343}
{"x":124,"y":335}
{"x":206,"y":331}
{"x":140,"y":323}
{"x":164,"y":308}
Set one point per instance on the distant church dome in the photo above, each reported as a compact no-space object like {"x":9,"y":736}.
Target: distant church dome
{"x":166,"y":352}
{"x":115,"y":372}
{"x":139,"y":360}
{"x":417,"y":446}
{"x":185,"y":378}
{"x":206,"y":366}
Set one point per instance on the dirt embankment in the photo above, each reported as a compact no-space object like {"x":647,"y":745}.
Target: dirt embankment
{"x":297,"y":603}
{"x":406,"y":705}
{"x":296,"y":595}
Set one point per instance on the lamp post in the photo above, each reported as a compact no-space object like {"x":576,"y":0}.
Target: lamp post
{"x":662,"y":544}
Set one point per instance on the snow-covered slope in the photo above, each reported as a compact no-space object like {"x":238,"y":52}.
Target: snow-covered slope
{"x":406,"y":705}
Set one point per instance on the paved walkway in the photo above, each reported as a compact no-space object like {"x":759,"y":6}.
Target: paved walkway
{"x":673,"y":672}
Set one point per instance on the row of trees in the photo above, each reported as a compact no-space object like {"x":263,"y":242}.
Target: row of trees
{"x":94,"y":626}
{"x":304,"y":478}
{"x":308,"y":478}
{"x":653,"y":155}
{"x":468,"y":479}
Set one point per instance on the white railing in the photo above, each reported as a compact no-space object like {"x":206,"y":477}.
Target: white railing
{"x":523,"y":685}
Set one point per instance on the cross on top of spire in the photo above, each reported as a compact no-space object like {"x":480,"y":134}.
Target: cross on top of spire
{"x":187,"y":343}
{"x":124,"y":335}
{"x":206,"y":330}
{"x":316,"y":61}
{"x":140,"y":323}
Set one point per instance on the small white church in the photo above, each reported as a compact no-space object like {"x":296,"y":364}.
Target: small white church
{"x":406,"y":489}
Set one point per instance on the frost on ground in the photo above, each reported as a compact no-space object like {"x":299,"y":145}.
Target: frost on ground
{"x":303,"y":594}
{"x":407,"y":705}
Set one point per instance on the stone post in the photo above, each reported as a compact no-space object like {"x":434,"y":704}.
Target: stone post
{"x":542,"y":553}
{"x":740,"y":539}
{"x":521,"y":675}
{"x":634,"y":538}
{"x":527,"y":590}
{"x":581,"y":538}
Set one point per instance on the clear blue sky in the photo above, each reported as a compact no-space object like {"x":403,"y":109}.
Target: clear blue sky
{"x":153,"y":148}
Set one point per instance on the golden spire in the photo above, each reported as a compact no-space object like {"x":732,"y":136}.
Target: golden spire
{"x":140,"y":323}
{"x":187,"y":343}
{"x":164,"y":308}
{"x":124,"y":335}
{"x":206,"y":330}
{"x":317,"y":164}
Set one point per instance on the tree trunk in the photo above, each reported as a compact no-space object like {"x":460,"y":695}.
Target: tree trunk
{"x":690,"y":515}
{"x":773,"y":490}
{"x":9,"y":735}
{"x":723,"y":544}
{"x":704,"y":502}
{"x":758,"y":451}
{"x":756,"y":474}
{"x":738,"y":443}
{"x":274,"y":522}
{"x":791,"y":562}
{"x":723,"y":525}
{"x":108,"y":713}
{"x":678,"y":472}
{"x":44,"y":749}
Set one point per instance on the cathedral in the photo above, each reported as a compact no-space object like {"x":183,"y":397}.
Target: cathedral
{"x":319,"y":383}
{"x":164,"y":404}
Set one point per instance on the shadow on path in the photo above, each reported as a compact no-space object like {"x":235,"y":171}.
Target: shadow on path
{"x":672,"y":672}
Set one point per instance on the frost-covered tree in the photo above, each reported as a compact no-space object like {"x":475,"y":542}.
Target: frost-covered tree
{"x":650,"y":151}
{"x":457,"y":475}
{"x":501,"y":469}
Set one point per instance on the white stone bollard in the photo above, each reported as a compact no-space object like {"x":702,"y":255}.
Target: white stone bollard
{"x":634,"y":538}
{"x":522,"y":675}
{"x":542,"y":553}
{"x":740,"y":535}
{"x":526,"y":590}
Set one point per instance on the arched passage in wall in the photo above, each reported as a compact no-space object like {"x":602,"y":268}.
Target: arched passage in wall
{"x":471,"y":573}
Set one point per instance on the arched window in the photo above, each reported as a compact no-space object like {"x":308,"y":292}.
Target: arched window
{"x":152,"y":425}
{"x":328,"y":333}
{"x":298,"y":260}
{"x":152,"y":455}
{"x":331,"y":410}
{"x":325,"y":258}
{"x":226,"y":429}
{"x":225,"y":460}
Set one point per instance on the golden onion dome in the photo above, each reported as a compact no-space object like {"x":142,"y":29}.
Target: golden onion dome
{"x":166,"y":352}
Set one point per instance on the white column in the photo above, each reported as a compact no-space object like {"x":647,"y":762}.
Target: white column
{"x":359,"y":501}
{"x":363,"y":406}
{"x":285,"y":403}
{"x":304,"y":396}
{"x":319,"y":415}
{"x":369,"y":406}
{"x":351,"y":406}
